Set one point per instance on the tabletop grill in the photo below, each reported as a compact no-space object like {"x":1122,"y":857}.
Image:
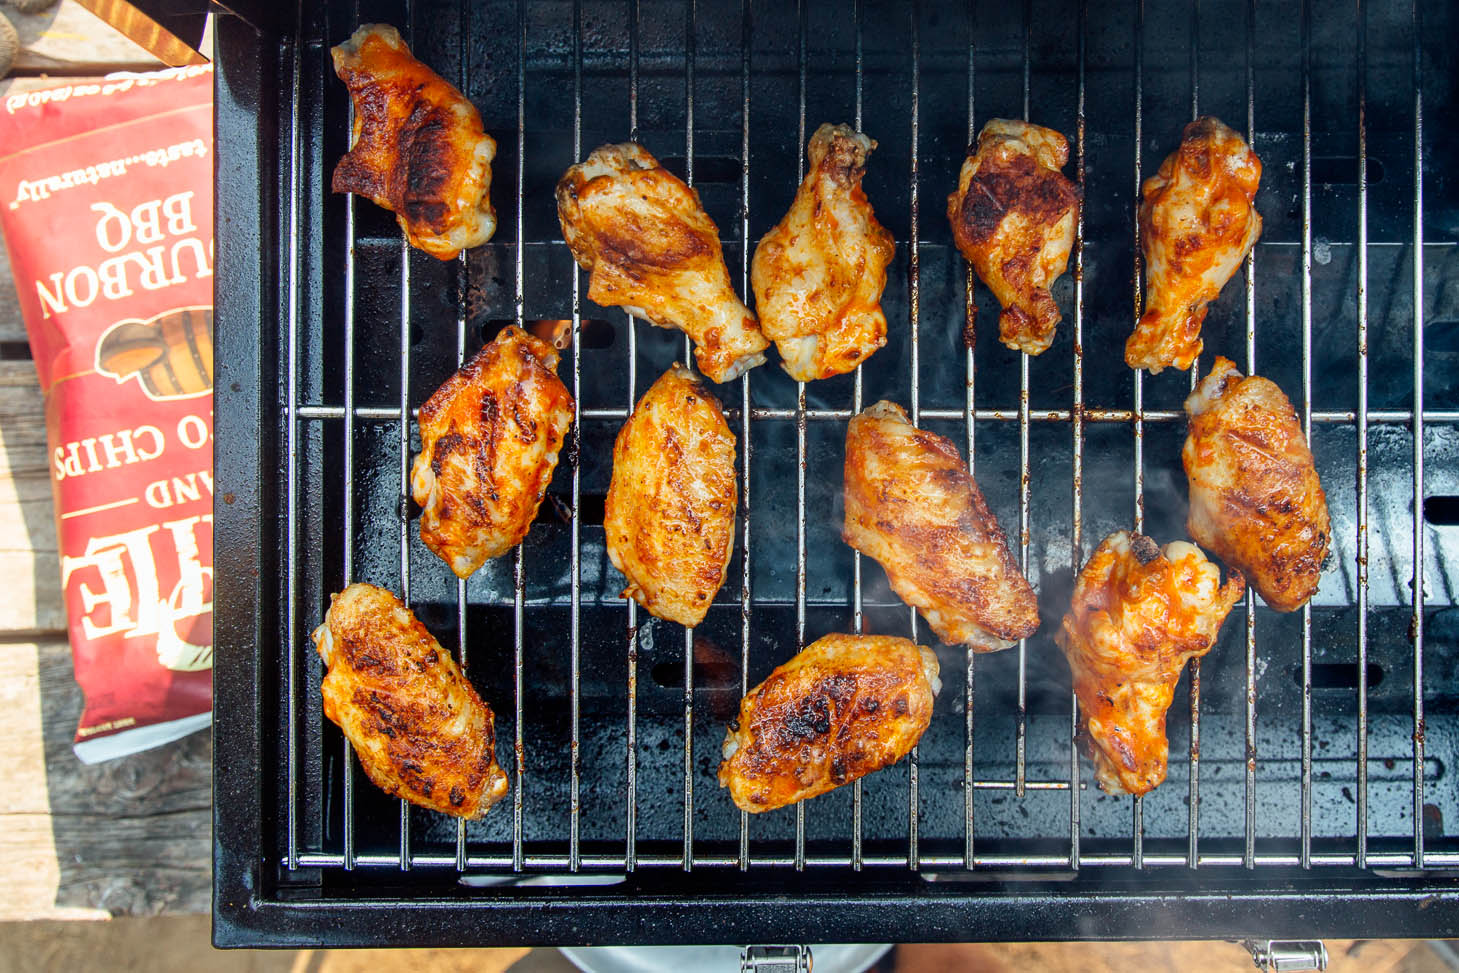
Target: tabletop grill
{"x":1310,"y":789}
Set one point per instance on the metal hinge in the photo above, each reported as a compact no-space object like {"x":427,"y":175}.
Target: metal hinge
{"x":1287,"y":955}
{"x":775,"y":959}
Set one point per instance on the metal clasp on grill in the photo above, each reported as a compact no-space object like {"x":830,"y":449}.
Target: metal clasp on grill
{"x":776,"y":959}
{"x":1287,"y":955}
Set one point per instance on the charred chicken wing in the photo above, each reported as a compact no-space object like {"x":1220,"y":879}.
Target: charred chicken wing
{"x":845,"y":706}
{"x":418,"y":148}
{"x":489,"y":443}
{"x":1137,"y":615}
{"x":1197,"y":223}
{"x":670,"y":512}
{"x":818,"y":276}
{"x":1255,"y":499}
{"x":419,"y":728}
{"x":913,"y":506}
{"x":1013,"y":217}
{"x":652,"y":250}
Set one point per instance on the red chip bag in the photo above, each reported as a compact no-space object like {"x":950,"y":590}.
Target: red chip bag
{"x":106,"y":200}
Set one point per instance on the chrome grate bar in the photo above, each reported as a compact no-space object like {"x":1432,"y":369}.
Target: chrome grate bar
{"x":1249,"y":858}
{"x":1021,"y":742}
{"x":689,"y":19}
{"x":800,"y":420}
{"x":970,"y":321}
{"x":745,"y":444}
{"x":1076,"y":540}
{"x":1361,"y":565}
{"x":914,"y":317}
{"x":574,"y":853}
{"x":291,"y":537}
{"x":1193,"y":826}
{"x":1306,"y":810}
{"x":518,"y":566}
{"x":1416,"y":625}
{"x":631,"y":746}
{"x":463,"y":272}
{"x":1137,"y":813}
{"x":856,"y":405}
{"x":349,"y":473}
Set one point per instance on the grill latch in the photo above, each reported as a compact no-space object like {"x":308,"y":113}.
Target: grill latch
{"x":775,"y":959}
{"x":1287,"y":955}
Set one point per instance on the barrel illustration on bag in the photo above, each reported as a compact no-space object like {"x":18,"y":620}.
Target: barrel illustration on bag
{"x":171,"y":355}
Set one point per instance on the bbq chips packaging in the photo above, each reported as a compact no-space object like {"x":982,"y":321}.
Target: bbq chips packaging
{"x":106,"y":201}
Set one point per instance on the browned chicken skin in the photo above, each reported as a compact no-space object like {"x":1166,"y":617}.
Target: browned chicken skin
{"x":418,"y":148}
{"x":913,"y":506}
{"x":670,"y":513}
{"x":419,"y":728}
{"x":845,"y":706}
{"x":819,"y":275}
{"x":1137,"y":615}
{"x":1013,"y":217}
{"x":652,"y":250}
{"x":489,"y":443}
{"x":1255,"y":499}
{"x":1197,"y":223}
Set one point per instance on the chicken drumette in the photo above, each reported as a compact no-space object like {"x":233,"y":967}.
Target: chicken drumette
{"x":418,"y":148}
{"x":818,"y":276}
{"x":652,"y":250}
{"x":913,"y":506}
{"x":1136,"y":616}
{"x":419,"y":728}
{"x":1197,"y":223}
{"x":670,"y":512}
{"x":1013,"y":217}
{"x":845,"y":706}
{"x":1255,"y":499}
{"x":489,"y":443}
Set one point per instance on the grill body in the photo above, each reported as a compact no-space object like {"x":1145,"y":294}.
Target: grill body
{"x":1310,"y":788}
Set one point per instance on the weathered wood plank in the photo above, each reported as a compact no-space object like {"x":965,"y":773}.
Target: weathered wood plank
{"x":127,"y":837}
{"x":29,"y":564}
{"x":12,"y":328}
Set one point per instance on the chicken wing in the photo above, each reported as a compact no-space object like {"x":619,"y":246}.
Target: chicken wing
{"x":845,"y":706}
{"x":419,"y":728}
{"x":913,"y":506}
{"x":1197,"y":223}
{"x":652,"y":250}
{"x":1013,"y":217}
{"x":489,"y":443}
{"x":1137,"y":615}
{"x":818,"y":276}
{"x":670,"y":512}
{"x":1255,"y":499}
{"x":418,"y":148}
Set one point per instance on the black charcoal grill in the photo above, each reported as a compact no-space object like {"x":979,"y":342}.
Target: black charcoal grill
{"x":1312,"y":780}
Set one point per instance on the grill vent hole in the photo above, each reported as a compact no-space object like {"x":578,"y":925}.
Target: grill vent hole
{"x":1339,"y":675}
{"x":1442,"y":511}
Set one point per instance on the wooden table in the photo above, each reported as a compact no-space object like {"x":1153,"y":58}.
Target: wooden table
{"x":130,"y":836}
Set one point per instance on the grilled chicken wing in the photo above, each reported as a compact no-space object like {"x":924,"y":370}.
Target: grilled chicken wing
{"x":489,"y":443}
{"x":913,"y":506}
{"x":1137,"y":615}
{"x":1255,"y":499}
{"x":418,"y":148}
{"x":1013,"y":217}
{"x":1197,"y":223}
{"x":418,"y":726}
{"x":818,"y":276}
{"x":652,"y":250}
{"x":845,"y":706}
{"x":670,"y":512}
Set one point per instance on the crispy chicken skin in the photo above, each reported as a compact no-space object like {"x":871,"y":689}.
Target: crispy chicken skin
{"x":845,"y":706}
{"x":818,"y":276}
{"x":913,"y":506}
{"x":489,"y":443}
{"x":652,"y":250}
{"x":1137,"y":615}
{"x":1255,"y":499}
{"x":1197,"y":223}
{"x":419,"y":728}
{"x":1013,"y":217}
{"x":418,"y":148}
{"x":670,"y":512}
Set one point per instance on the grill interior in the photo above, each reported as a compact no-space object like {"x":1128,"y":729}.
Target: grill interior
{"x":1317,"y":740}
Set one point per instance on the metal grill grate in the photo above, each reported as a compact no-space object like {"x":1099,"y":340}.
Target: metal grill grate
{"x":604,"y":764}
